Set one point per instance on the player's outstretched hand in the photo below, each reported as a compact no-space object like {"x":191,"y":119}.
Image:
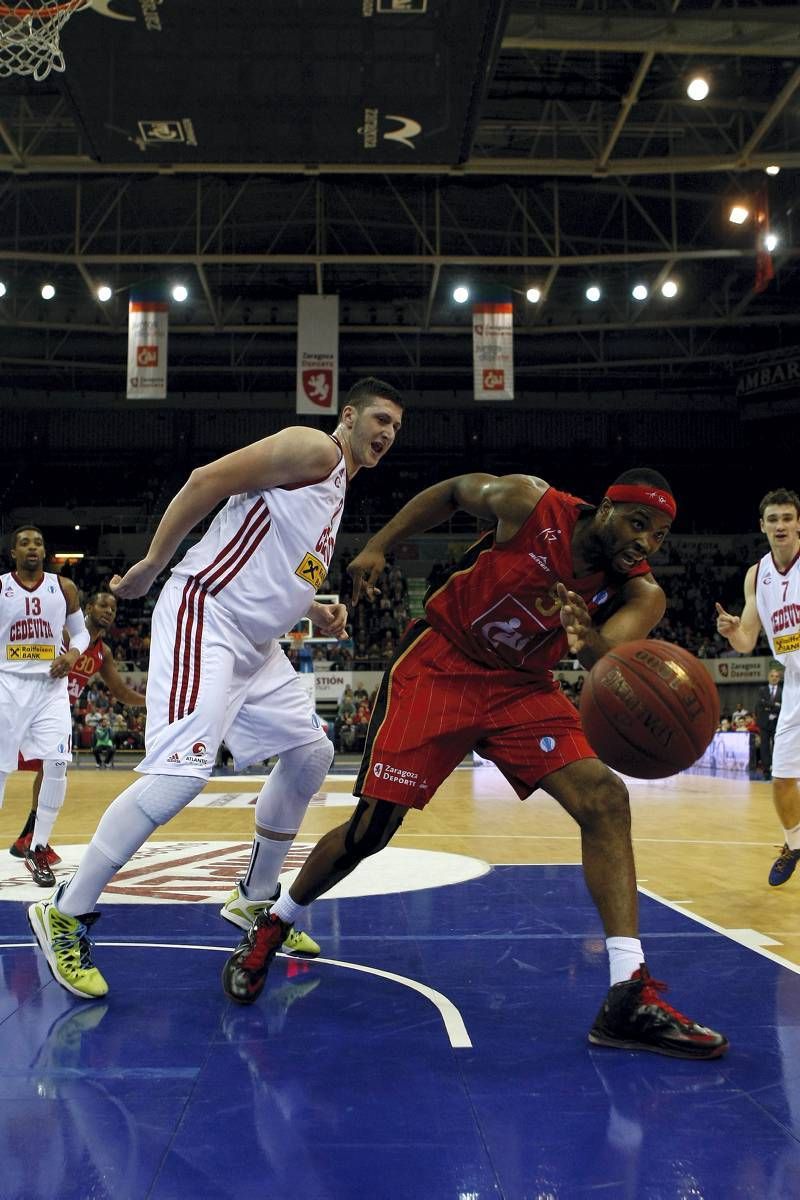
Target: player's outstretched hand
{"x":364,"y":569}
{"x":136,"y":581}
{"x":575,"y":618}
{"x":727,"y":623}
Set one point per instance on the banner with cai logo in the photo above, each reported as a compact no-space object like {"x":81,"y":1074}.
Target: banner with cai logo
{"x":147,"y":349}
{"x":318,"y":354}
{"x":493,"y":350}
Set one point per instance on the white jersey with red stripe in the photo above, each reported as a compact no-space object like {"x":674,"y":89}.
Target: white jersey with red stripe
{"x":778,"y":604}
{"x":265,"y":555}
{"x":31,"y":624}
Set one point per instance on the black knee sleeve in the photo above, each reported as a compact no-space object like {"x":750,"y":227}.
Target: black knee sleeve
{"x":359,"y":843}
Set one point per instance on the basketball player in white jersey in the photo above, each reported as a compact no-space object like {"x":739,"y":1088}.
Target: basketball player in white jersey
{"x":772,"y":603}
{"x":35,"y":609}
{"x":217,"y":670}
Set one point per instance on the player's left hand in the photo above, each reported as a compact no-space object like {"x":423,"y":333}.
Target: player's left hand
{"x":330,"y":619}
{"x":364,"y":570}
{"x":64,"y":664}
{"x":575,"y":618}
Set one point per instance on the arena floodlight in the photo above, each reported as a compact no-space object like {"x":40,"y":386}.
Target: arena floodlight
{"x":593,"y":293}
{"x":640,"y":292}
{"x":461,"y":294}
{"x":773,"y":169}
{"x":771,"y":241}
{"x":533,"y":295}
{"x":180,"y":293}
{"x":48,"y":291}
{"x":2,"y":289}
{"x":738,"y":214}
{"x":104,"y":293}
{"x":698,"y":88}
{"x":669,"y":288}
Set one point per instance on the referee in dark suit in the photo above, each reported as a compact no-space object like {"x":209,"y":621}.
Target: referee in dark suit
{"x":768,"y":706}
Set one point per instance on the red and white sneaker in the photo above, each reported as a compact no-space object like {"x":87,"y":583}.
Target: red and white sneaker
{"x":22,"y":845}
{"x":39,"y":867}
{"x":634,"y":1016}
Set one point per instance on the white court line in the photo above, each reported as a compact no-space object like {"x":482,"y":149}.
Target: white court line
{"x":453,"y":1021}
{"x":743,"y":937}
{"x":569,"y":837}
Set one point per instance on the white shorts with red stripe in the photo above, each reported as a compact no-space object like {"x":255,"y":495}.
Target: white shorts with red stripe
{"x":35,"y":718}
{"x":207,"y":683}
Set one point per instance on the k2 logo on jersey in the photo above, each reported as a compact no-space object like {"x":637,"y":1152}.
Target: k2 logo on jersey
{"x":312,"y":571}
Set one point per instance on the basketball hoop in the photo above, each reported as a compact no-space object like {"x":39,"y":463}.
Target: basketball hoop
{"x":29,"y":33}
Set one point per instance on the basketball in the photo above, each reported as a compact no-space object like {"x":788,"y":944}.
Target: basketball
{"x":649,"y":709}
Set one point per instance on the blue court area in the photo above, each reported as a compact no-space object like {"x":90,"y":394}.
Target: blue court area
{"x":348,"y":1085}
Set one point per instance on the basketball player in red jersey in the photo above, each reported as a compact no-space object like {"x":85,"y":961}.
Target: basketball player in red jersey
{"x":554,"y":575}
{"x":100,"y":613}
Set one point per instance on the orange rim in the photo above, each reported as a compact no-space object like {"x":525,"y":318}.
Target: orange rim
{"x":45,"y":13}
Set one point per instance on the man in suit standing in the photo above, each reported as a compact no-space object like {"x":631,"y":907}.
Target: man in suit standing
{"x":768,"y":706}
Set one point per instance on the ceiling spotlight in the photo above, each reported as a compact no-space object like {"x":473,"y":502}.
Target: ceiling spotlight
{"x":534,"y":295}
{"x":76,"y":527}
{"x":738,"y":214}
{"x":461,"y":294}
{"x":639,"y":292}
{"x":593,"y":293}
{"x":48,"y":291}
{"x":774,"y":169}
{"x":669,"y":288}
{"x":2,"y":289}
{"x":179,"y":293}
{"x":771,"y":241}
{"x":104,"y":293}
{"x":697,"y":88}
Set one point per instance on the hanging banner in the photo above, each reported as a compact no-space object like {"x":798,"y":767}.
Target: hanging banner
{"x":493,"y":350}
{"x":318,"y":354}
{"x":147,"y":349}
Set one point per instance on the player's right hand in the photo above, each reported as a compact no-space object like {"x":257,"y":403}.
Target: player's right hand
{"x":364,"y":569}
{"x":136,"y":581}
{"x":727,"y":623}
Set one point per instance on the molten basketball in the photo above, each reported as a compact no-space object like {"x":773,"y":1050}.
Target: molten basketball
{"x":649,"y":709}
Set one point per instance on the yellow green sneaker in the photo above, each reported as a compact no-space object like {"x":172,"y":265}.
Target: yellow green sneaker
{"x":64,"y":941}
{"x":242,"y":911}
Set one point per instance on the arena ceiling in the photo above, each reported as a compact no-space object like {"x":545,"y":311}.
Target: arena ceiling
{"x":384,"y":153}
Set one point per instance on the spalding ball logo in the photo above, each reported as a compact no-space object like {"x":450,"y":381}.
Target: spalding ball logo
{"x":199,"y":748}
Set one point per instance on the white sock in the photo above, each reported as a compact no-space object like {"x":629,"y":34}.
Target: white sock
{"x":82,"y":892}
{"x":793,"y":837}
{"x":625,"y":956}
{"x":287,"y":909}
{"x":266,"y":859}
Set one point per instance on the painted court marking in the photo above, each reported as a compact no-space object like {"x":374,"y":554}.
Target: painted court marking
{"x":749,"y":938}
{"x":452,"y":1020}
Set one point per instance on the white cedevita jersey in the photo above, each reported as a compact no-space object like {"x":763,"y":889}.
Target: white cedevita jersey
{"x":31,"y":624}
{"x":778,"y":603}
{"x":267,"y":553}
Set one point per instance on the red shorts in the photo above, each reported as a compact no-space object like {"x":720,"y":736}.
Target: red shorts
{"x":28,"y":764}
{"x":435,"y":705}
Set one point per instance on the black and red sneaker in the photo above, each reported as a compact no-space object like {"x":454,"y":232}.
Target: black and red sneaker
{"x":635,"y":1017}
{"x":22,"y":845}
{"x":39,"y":867}
{"x":245,"y":972}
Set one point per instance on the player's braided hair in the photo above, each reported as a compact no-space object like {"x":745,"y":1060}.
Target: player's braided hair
{"x":645,"y":475}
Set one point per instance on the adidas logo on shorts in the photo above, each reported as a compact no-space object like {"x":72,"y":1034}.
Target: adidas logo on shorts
{"x":174,"y":758}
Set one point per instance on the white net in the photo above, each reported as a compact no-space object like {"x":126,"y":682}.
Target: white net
{"x":29,"y":36}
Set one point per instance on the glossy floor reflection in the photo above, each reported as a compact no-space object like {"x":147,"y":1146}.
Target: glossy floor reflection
{"x":340,"y":1085}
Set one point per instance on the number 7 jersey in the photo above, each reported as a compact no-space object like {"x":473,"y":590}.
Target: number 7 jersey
{"x":778,"y":604}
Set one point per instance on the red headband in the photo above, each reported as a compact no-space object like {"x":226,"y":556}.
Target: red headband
{"x":643,"y":493}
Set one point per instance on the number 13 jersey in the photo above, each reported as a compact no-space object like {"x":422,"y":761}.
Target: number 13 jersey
{"x":31,"y":624}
